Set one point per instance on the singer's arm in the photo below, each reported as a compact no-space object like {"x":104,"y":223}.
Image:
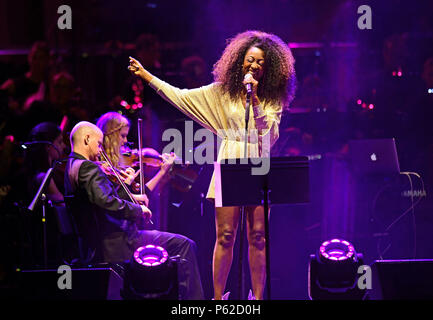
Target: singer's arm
{"x":198,"y":104}
{"x":136,"y":68}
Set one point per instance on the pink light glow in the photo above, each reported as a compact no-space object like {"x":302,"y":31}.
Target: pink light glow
{"x":359,"y":101}
{"x":337,"y":249}
{"x":157,"y":255}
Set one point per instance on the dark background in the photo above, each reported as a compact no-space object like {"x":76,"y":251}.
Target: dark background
{"x":336,"y":64}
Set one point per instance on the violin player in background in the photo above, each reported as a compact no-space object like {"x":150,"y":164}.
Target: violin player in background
{"x":47,"y":146}
{"x":116,"y":129}
{"x":114,"y":228}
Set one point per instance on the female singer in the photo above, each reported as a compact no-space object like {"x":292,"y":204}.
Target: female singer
{"x":264,"y":62}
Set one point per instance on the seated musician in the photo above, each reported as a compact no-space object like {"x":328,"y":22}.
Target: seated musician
{"x":47,"y":147}
{"x":116,"y":129}
{"x":106,"y":222}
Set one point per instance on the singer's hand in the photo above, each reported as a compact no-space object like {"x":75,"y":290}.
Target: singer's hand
{"x":254,"y":85}
{"x":136,"y":68}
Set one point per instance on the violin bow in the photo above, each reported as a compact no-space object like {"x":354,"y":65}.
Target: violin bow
{"x":104,"y":155}
{"x":140,"y":153}
{"x":116,"y":174}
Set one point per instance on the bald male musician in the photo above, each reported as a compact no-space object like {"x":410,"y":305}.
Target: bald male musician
{"x":106,"y":221}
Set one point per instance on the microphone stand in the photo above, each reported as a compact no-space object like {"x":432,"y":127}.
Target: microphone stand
{"x":242,"y":222}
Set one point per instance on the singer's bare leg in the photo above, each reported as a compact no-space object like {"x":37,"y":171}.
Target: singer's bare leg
{"x":256,"y":249}
{"x":226,"y":222}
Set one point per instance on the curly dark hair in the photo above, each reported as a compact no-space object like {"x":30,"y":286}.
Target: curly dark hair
{"x":279,"y":80}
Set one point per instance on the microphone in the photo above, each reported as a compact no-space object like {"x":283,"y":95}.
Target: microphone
{"x":248,"y":85}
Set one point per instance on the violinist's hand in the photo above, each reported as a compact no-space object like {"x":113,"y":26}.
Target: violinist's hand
{"x":167,"y":161}
{"x":129,"y":175}
{"x":146,"y":212}
{"x":136,"y":68}
{"x":141,"y":198}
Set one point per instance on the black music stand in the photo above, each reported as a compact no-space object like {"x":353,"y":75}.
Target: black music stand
{"x":244,"y":182}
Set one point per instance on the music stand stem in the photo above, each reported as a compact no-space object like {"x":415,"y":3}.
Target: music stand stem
{"x":44,"y":229}
{"x":268,"y":253}
{"x":41,"y":196}
{"x":237,"y":184}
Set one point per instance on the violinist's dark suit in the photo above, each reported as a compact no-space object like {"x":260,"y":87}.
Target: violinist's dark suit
{"x":106,"y":224}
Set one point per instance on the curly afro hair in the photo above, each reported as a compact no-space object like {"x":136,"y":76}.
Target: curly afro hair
{"x":279,"y":80}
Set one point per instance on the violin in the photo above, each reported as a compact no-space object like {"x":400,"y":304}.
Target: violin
{"x":112,"y":176}
{"x":131,"y":157}
{"x":183,"y":176}
{"x":112,"y":170}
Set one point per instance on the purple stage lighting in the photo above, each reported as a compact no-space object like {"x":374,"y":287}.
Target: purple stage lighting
{"x":337,"y":250}
{"x":151,"y":275}
{"x":333,"y":272}
{"x":150,"y":255}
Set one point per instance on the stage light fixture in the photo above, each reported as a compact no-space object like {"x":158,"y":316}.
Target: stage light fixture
{"x":151,"y":275}
{"x":150,"y":255}
{"x":333,"y":272}
{"x":337,"y":250}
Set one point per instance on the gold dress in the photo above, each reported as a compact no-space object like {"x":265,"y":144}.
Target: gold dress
{"x":225,"y":117}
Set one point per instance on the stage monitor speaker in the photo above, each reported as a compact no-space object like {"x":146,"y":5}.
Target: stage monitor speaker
{"x":402,"y":280}
{"x":86,"y":284}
